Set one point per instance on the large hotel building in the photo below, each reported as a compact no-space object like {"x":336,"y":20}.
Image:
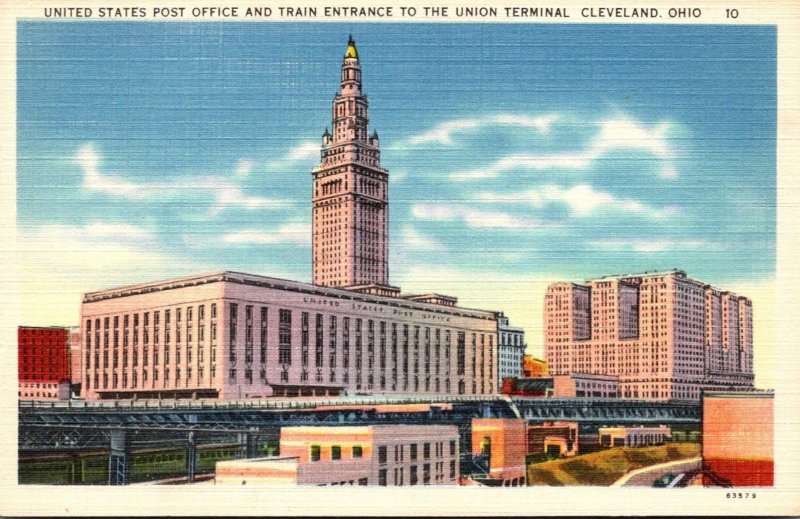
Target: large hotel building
{"x":231,"y":335}
{"x":665,"y":335}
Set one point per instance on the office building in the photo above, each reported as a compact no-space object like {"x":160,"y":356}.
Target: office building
{"x":665,"y":335}
{"x":510,"y":350}
{"x":239,"y":336}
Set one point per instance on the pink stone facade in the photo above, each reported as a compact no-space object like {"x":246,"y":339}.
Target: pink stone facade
{"x":239,"y":336}
{"x":350,"y":218}
{"x":665,"y":335}
{"x":382,"y":455}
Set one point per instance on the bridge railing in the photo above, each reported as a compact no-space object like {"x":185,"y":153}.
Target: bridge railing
{"x":263,"y":404}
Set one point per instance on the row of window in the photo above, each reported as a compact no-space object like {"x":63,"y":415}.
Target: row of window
{"x":356,"y":451}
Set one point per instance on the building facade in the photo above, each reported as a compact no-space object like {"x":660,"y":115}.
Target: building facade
{"x":382,"y":455}
{"x":533,"y":367}
{"x":738,"y":438}
{"x":232,"y":335}
{"x":665,"y":335}
{"x":633,"y":436}
{"x":43,"y":367}
{"x":350,"y":217}
{"x":553,"y":438}
{"x":582,"y":385}
{"x":75,"y":365}
{"x":510,"y":350}
{"x":501,"y":444}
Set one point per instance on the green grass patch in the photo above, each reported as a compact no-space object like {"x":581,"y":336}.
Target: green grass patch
{"x":605,"y":467}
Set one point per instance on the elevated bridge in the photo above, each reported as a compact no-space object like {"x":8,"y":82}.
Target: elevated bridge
{"x":616,"y":411}
{"x":120,"y":427}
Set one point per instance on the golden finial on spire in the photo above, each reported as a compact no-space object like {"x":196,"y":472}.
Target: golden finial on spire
{"x":351,"y":52}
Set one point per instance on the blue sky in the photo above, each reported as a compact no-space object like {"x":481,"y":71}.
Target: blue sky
{"x":517,"y":153}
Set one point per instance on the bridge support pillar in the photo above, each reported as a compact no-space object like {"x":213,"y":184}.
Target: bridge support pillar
{"x":119,"y":458}
{"x":248,"y":444}
{"x":191,"y":458}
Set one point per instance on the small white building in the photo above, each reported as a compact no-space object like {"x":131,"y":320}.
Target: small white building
{"x":511,"y":349}
{"x":633,"y":436}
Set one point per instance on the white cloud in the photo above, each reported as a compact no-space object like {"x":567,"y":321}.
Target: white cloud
{"x":625,"y":133}
{"x":233,"y":196}
{"x":444,"y":132}
{"x":415,"y":241}
{"x":89,"y":160}
{"x":614,"y":134}
{"x":655,"y":245}
{"x":305,"y":150}
{"x":439,"y":212}
{"x":474,"y":218}
{"x":225,"y":192}
{"x":296,"y":233}
{"x":58,"y":263}
{"x":669,"y":172}
{"x":244,"y":167}
{"x":582,"y":200}
{"x":105,"y":230}
{"x":519,"y":296}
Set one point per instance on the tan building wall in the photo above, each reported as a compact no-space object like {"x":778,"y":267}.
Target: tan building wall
{"x":633,"y":436}
{"x":74,"y":338}
{"x":235,"y":336}
{"x":383,"y":455}
{"x":581,"y":385}
{"x":665,"y":335}
{"x":561,"y":434}
{"x":738,"y":436}
{"x":507,"y":443}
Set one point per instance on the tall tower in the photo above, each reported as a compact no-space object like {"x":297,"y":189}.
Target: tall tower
{"x":350,"y":245}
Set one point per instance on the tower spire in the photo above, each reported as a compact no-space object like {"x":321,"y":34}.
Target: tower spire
{"x":350,"y":245}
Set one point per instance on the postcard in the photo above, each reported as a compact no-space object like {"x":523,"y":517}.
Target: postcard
{"x":499,"y":259}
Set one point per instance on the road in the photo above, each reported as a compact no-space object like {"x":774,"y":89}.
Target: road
{"x":645,"y":477}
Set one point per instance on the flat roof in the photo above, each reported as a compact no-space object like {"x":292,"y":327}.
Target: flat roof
{"x":281,"y":284}
{"x":266,"y":458}
{"x":645,"y":274}
{"x":745,"y":393}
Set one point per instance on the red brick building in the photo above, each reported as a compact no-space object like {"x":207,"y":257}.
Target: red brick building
{"x":43,"y":362}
